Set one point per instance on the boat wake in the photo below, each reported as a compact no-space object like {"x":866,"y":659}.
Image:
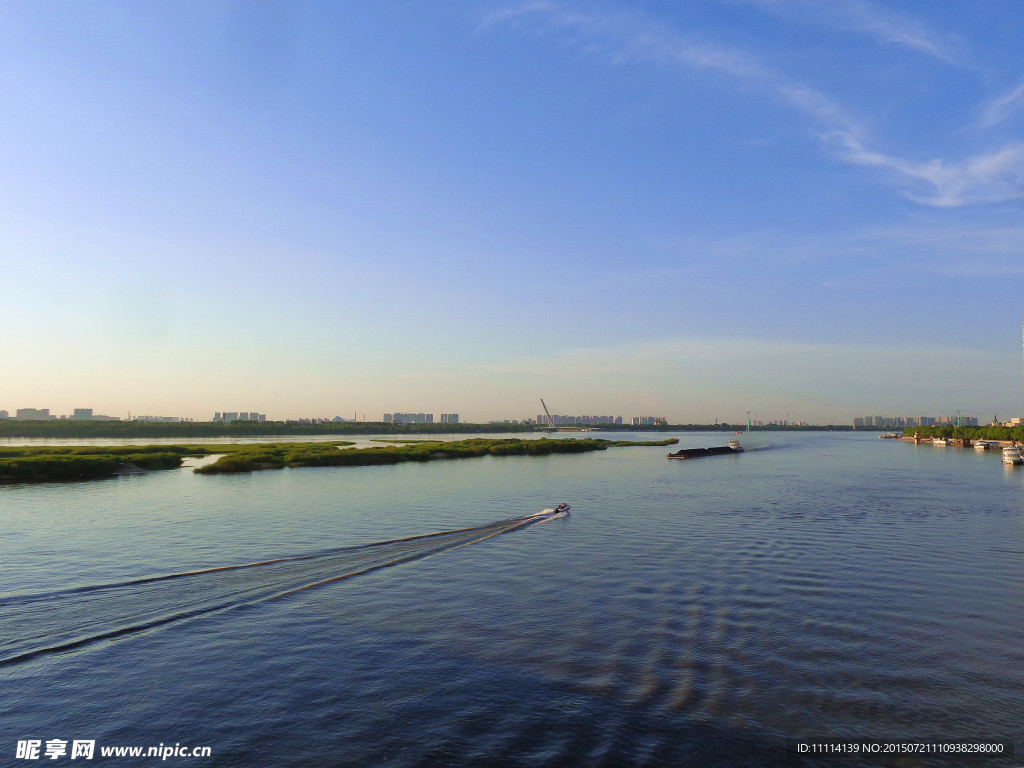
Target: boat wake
{"x":551,"y":514}
{"x":33,"y":625}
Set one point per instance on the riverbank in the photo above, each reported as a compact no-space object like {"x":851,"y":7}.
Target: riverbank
{"x":1000,"y":433}
{"x":959,"y":442}
{"x":188,"y":430}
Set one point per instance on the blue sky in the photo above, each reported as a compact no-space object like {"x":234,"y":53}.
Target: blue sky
{"x":691,"y":209}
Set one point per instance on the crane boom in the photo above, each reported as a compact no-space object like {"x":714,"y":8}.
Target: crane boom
{"x":550,"y":420}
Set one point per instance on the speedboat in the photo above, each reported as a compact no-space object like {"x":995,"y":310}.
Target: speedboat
{"x":563,"y":507}
{"x":1012,"y":455}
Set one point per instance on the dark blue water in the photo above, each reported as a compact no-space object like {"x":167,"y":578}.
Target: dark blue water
{"x":687,"y":613}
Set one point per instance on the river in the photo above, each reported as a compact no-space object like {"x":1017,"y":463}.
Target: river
{"x":703,"y":612}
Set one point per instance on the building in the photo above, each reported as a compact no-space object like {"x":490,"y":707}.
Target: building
{"x":892,"y":422}
{"x":228,"y":416}
{"x":4,"y":415}
{"x":82,"y":414}
{"x":638,"y":421}
{"x":34,"y":414}
{"x":408,"y":418}
{"x":562,"y":420}
{"x":449,"y":418}
{"x":158,"y":419}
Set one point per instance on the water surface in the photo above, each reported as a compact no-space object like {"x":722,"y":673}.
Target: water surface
{"x":696,"y":612}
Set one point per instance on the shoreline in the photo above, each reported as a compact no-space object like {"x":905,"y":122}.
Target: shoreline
{"x":186,"y":431}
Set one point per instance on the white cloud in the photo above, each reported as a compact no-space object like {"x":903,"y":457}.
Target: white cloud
{"x":989,"y":177}
{"x":998,"y":110}
{"x":884,"y":25}
{"x":997,"y":176}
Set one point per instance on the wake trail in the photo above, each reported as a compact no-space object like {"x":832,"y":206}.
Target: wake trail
{"x":33,"y":625}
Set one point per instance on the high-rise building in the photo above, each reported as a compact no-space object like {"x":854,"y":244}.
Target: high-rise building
{"x":647,"y":420}
{"x":228,"y":416}
{"x":449,"y":418}
{"x":34,"y":414}
{"x":82,"y":414}
{"x":409,"y":418}
{"x":562,"y":420}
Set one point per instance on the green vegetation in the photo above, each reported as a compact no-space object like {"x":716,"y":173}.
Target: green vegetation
{"x":42,"y":464}
{"x":27,"y":464}
{"x":35,"y":465}
{"x":185,"y":430}
{"x":277,"y":455}
{"x":974,"y":433}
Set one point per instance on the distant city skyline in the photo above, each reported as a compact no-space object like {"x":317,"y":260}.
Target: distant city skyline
{"x":87,"y":414}
{"x":687,"y":209}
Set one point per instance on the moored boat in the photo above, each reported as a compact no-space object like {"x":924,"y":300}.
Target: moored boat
{"x":940,"y":441}
{"x":1012,"y":455}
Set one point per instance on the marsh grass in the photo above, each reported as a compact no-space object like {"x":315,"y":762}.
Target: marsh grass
{"x":42,"y":464}
{"x":26,"y":464}
{"x":276,"y":456}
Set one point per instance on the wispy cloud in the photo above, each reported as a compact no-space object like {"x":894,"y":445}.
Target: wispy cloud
{"x":988,"y":177}
{"x":997,"y":176}
{"x":1001,"y":108}
{"x":861,"y":16}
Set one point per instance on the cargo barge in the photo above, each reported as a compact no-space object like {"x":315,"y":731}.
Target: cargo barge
{"x":718,"y":450}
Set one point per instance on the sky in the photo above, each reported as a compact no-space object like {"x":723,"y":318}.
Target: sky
{"x":805,"y":209}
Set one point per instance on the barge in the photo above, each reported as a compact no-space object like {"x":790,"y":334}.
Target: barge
{"x":718,"y":450}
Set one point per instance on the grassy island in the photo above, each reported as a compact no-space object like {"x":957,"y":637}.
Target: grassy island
{"x":32,"y":464}
{"x":278,"y":455}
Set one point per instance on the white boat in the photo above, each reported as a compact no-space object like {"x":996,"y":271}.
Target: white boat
{"x":940,"y":441}
{"x":982,"y":445}
{"x":1012,"y":455}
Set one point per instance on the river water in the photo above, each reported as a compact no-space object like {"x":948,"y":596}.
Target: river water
{"x":702,"y":612}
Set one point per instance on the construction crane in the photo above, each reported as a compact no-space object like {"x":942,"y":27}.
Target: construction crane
{"x":550,"y":420}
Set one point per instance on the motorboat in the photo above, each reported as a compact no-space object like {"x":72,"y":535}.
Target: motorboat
{"x":1012,"y":455}
{"x":940,"y":441}
{"x":982,"y":445}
